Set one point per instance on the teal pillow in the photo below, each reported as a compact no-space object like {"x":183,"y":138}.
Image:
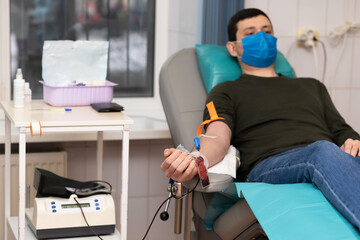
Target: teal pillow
{"x":217,"y":65}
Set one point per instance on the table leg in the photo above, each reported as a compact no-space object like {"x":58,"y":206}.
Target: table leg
{"x":100,"y":154}
{"x":22,"y":183}
{"x":7,"y":173}
{"x":124,"y":184}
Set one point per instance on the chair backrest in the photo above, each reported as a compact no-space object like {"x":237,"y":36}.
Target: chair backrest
{"x":183,"y":96}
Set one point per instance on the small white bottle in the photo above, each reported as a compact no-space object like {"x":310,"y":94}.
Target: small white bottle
{"x":19,"y":90}
{"x":28,"y":94}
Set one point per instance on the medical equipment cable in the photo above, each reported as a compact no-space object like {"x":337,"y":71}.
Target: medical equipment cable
{"x":337,"y":65}
{"x":172,"y":196}
{"x":337,"y":34}
{"x":315,"y":60}
{"x":287,"y":56}
{"x":341,"y":31}
{"x":312,"y":45}
{"x":322,"y":78}
{"x":76,"y":190}
{"x":92,"y":230}
{"x":325,"y":60}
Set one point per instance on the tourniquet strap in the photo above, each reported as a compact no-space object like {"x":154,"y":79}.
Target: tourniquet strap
{"x":213,"y":117}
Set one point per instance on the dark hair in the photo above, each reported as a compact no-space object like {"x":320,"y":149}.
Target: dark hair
{"x":242,"y":15}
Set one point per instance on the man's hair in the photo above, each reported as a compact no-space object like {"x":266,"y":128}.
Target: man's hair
{"x":242,"y":15}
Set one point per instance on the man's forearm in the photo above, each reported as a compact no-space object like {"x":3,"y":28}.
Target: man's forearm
{"x":216,"y":142}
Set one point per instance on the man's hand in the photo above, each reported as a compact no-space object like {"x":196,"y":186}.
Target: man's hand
{"x":351,"y":147}
{"x":178,"y":165}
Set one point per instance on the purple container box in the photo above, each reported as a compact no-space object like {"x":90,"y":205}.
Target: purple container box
{"x":77,"y":95}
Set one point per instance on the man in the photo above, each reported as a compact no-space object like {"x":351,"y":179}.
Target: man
{"x":286,"y":129}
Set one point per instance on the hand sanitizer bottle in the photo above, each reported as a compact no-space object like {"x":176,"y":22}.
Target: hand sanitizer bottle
{"x":19,"y":90}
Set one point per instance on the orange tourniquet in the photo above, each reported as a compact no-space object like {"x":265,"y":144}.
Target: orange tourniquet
{"x":213,"y":117}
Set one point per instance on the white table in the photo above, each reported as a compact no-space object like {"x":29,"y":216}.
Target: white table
{"x":80,"y":119}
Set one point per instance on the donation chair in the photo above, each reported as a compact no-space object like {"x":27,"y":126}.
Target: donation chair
{"x":185,"y":79}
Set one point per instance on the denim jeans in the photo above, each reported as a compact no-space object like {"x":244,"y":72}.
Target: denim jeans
{"x":334,"y":172}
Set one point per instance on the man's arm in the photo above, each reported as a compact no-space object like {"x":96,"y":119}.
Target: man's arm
{"x":343,"y":134}
{"x":179,"y":165}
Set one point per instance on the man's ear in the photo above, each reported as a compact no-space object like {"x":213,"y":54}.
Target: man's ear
{"x":231,"y":48}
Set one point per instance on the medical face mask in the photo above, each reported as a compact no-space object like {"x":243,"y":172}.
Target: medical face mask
{"x":259,"y":50}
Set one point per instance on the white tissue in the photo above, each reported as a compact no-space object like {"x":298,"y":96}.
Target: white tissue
{"x":228,"y":165}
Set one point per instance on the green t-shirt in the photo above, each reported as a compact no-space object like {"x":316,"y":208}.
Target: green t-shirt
{"x":269,"y":115}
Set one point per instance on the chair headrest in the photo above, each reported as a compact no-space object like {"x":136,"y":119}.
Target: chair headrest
{"x":217,"y":65}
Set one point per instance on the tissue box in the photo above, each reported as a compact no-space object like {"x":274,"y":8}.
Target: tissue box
{"x":77,"y":95}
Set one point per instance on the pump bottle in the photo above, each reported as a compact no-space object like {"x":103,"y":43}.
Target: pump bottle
{"x":19,"y":90}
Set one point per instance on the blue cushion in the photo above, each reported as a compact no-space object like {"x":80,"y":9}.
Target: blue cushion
{"x":217,"y":65}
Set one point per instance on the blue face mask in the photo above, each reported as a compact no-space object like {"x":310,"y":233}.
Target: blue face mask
{"x":259,"y":50}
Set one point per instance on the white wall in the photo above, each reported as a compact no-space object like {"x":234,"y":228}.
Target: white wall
{"x":323,"y":15}
{"x":182,"y":24}
{"x":4,"y":51}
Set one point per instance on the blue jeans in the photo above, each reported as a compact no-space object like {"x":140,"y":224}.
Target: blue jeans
{"x":334,"y":172}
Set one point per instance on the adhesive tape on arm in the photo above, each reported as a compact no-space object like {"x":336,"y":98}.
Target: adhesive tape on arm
{"x":35,"y":128}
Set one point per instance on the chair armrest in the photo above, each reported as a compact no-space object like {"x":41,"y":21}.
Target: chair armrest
{"x":218,"y":182}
